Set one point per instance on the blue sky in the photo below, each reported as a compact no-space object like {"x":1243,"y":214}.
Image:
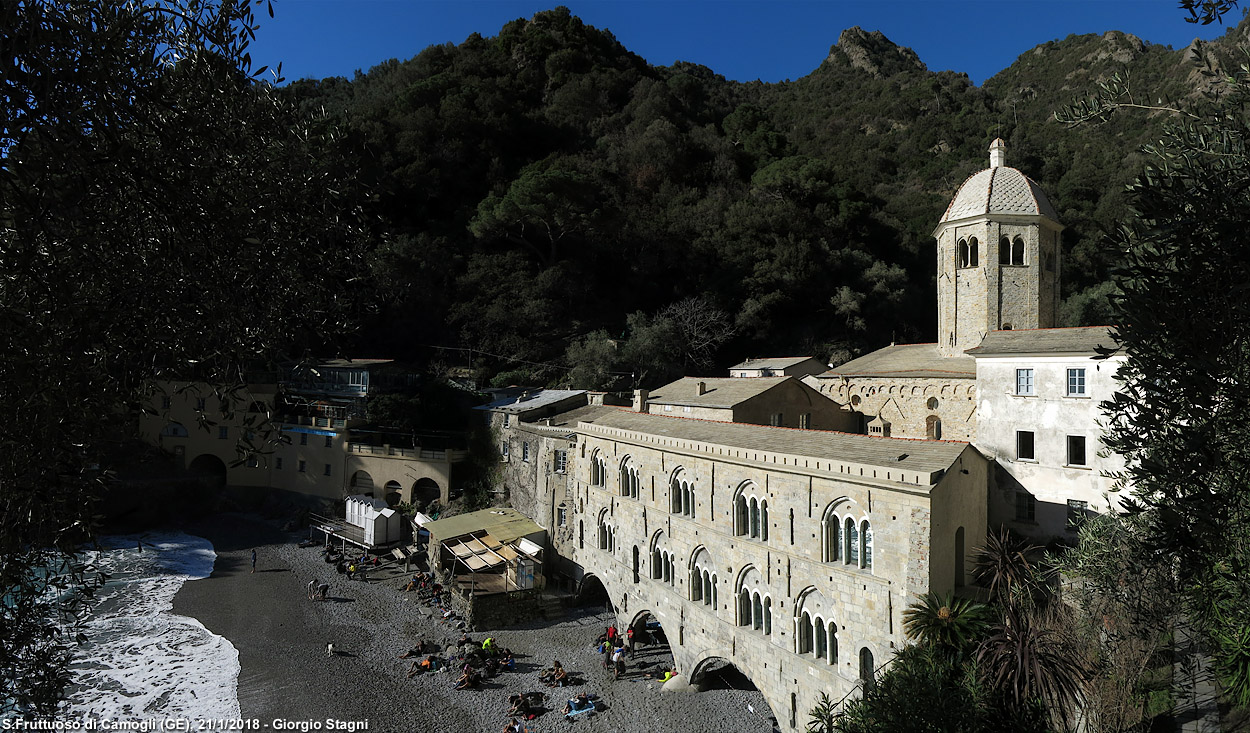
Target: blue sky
{"x":741,"y":39}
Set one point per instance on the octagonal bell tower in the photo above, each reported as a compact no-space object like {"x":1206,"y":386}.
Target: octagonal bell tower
{"x":997,"y":257}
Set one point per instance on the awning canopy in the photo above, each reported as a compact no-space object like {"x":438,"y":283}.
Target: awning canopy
{"x":479,"y":551}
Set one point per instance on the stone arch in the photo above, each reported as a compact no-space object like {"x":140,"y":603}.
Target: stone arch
{"x":592,"y":590}
{"x":361,"y":482}
{"x":703,"y":577}
{"x":209,"y":468}
{"x":630,"y":481}
{"x":681,"y":496}
{"x":716,"y":670}
{"x":663,"y":559}
{"x":831,"y":527}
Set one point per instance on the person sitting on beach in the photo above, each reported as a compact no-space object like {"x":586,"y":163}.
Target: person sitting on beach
{"x":520,"y":705}
{"x":351,"y":570}
{"x":413,"y":652}
{"x":508,"y":663}
{"x":513,"y":727}
{"x":559,"y":678}
{"x":412,"y":585}
{"x":488,"y":645}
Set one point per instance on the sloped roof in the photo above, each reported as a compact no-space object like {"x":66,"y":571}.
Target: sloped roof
{"x":1082,"y":340}
{"x":922,"y":456}
{"x":907,"y":360}
{"x":722,"y":392}
{"x":535,"y":399}
{"x":778,"y":362}
{"x":502,"y":523}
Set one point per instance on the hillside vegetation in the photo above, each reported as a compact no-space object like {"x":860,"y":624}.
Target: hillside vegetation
{"x":573,"y":214}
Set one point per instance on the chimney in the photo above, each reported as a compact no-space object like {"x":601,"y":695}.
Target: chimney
{"x":700,"y":388}
{"x":640,"y":400}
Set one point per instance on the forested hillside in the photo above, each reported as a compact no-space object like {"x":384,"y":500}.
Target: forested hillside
{"x":577,"y":216}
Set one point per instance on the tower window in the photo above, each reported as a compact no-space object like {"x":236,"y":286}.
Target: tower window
{"x":973,"y":258}
{"x":1004,"y":251}
{"x":1017,"y":251}
{"x":963,"y":253}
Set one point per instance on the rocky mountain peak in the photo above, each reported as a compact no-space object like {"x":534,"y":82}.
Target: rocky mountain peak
{"x":875,"y":54}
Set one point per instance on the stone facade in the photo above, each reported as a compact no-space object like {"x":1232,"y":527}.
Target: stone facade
{"x":648,"y":549}
{"x":919,"y":408}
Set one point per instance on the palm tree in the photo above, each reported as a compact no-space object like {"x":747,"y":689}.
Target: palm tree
{"x":1007,"y":566}
{"x":947,"y":623}
{"x":824,"y":717}
{"x":1030,"y":659}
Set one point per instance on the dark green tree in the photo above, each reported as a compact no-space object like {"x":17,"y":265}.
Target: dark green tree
{"x":162,"y":216}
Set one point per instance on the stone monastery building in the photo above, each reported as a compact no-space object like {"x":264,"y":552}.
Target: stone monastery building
{"x":784,"y":534}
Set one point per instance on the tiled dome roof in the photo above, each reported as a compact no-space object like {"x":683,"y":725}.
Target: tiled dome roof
{"x":999,"y":190}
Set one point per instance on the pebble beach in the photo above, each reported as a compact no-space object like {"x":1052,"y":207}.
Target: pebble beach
{"x":287,"y":675}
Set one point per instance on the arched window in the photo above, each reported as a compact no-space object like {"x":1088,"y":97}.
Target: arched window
{"x":764,"y":519}
{"x":865,"y":545}
{"x":831,"y":529}
{"x":744,"y":607}
{"x":973,"y":256}
{"x":804,"y":637}
{"x":709,"y":588}
{"x":963,"y":254}
{"x":867,"y":669}
{"x":833,"y":643}
{"x":768,"y":616}
{"x":681,"y":494}
{"x":581,"y":534}
{"x":822,"y":639}
{"x":933,"y":427}
{"x":703,"y":578}
{"x":757,"y":612}
{"x":931,"y":403}
{"x":1017,"y":251}
{"x":635,"y":563}
{"x":741,"y":517}
{"x":851,"y":545}
{"x":755,"y":518}
{"x":1004,"y":251}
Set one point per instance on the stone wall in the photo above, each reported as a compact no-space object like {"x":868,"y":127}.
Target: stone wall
{"x":905,"y":403}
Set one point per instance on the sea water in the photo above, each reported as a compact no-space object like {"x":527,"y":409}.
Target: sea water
{"x":141,"y":661}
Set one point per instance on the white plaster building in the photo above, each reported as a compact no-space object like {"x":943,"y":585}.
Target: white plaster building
{"x":1038,"y":419}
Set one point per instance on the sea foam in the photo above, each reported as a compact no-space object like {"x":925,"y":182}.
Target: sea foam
{"x":141,"y":661}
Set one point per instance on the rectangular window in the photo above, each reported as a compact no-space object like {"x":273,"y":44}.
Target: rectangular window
{"x":561,"y":461}
{"x":1026,"y":506}
{"x":686,"y":408}
{"x":668,"y":408}
{"x":327,"y":471}
{"x":1076,"y":382}
{"x":1076,"y":450}
{"x":503,"y":450}
{"x":562,"y":516}
{"x":329,"y":441}
{"x":1076,"y":513}
{"x":223,"y":432}
{"x":1024,"y":381}
{"x":303,"y":466}
{"x":805,"y":421}
{"x":303,"y":438}
{"x":200,"y":403}
{"x":525,"y":452}
{"x":277,"y":464}
{"x":1024,"y":446}
{"x":775,"y":419}
{"x":507,"y":419}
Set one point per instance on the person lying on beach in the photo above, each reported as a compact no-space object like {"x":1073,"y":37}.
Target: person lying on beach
{"x":471,"y":679}
{"x":578,"y":704}
{"x":422,"y":665}
{"x":668,"y":674}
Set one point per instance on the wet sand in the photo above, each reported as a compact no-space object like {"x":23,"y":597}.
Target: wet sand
{"x":286,"y":673}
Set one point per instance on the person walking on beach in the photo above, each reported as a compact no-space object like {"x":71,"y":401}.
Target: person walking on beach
{"x":323,"y":590}
{"x":253,"y":559}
